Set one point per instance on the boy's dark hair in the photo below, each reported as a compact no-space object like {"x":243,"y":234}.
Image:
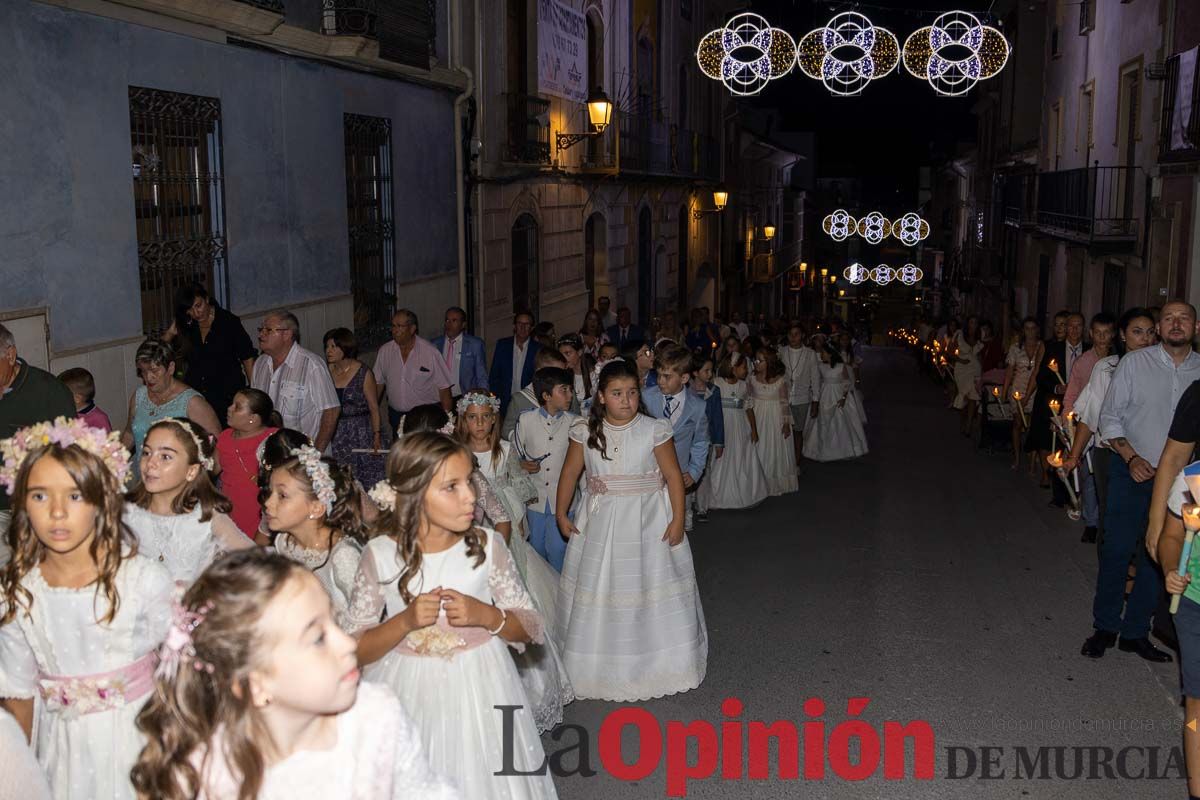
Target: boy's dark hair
{"x":548,"y":357}
{"x":546,"y":378}
{"x":698,"y":362}
{"x":79,"y":381}
{"x":675,"y":358}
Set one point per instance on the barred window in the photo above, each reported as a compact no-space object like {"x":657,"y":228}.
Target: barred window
{"x":370,"y":217}
{"x":179,"y":200}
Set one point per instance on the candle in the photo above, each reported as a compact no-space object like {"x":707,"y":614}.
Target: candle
{"x":1055,"y":407}
{"x":1053,"y":365}
{"x":1191,"y":522}
{"x":1055,"y":460}
{"x":1020,"y":408}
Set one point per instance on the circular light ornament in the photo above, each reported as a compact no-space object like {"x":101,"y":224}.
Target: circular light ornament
{"x":746,"y":54}
{"x":910,"y":274}
{"x":955,"y":52}
{"x":839,"y":225}
{"x":874,"y":227}
{"x":910,"y":229}
{"x":848,"y":53}
{"x":883,"y":274}
{"x":856,"y":274}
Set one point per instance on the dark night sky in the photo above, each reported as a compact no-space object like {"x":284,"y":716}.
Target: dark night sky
{"x":887,"y":132}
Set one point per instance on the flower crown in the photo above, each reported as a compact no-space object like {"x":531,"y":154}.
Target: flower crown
{"x":179,"y":648}
{"x":64,"y":433}
{"x":384,"y":495}
{"x":478,"y":399}
{"x":447,"y":429}
{"x":596,"y":370}
{"x":189,"y":427}
{"x":318,"y":473}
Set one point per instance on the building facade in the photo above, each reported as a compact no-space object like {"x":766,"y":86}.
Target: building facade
{"x":292,"y":153}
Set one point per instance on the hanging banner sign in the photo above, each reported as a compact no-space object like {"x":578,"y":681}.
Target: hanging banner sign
{"x":562,"y":51}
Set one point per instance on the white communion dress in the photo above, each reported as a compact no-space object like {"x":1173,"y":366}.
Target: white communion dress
{"x":777,"y":454}
{"x":629,"y":609}
{"x":541,"y":667}
{"x":836,"y":433}
{"x":450,"y":680}
{"x":378,"y":756}
{"x":736,"y":479}
{"x":182,"y":542}
{"x":89,"y":679}
{"x":334,"y":568}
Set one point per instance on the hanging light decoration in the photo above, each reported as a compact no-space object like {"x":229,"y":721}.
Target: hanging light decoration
{"x":910,"y":274}
{"x":746,"y":54}
{"x":910,"y":229}
{"x":848,"y":53}
{"x":955,"y":52}
{"x":874,"y":227}
{"x":839,"y":225}
{"x":883,"y":274}
{"x":856,"y":273}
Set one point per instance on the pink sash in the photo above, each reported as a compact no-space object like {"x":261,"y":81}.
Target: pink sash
{"x":103,"y":691}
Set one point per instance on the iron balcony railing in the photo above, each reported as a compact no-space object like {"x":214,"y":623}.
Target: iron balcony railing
{"x":1179,"y":125}
{"x":528,"y":129}
{"x":1091,"y":204}
{"x":1017,"y":194}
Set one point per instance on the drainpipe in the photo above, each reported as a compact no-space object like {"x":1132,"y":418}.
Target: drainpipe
{"x":456,"y":135}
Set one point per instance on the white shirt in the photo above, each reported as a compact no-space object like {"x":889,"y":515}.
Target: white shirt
{"x":741,"y":329}
{"x":519,"y":353}
{"x":1073,"y":354}
{"x":1140,"y":403}
{"x":300,"y":388}
{"x":676,"y":401}
{"x":1091,"y":399}
{"x":803,"y":374}
{"x":609,"y":320}
{"x":454,"y":364}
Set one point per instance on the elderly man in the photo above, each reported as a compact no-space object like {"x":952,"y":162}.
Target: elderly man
{"x":463,"y":353}
{"x":1134,"y":422}
{"x":296,"y":379}
{"x":512,"y":360}
{"x":28,"y":395}
{"x":410,"y":370}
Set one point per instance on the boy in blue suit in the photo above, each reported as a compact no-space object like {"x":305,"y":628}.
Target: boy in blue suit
{"x":702,"y":385}
{"x":671,"y":399}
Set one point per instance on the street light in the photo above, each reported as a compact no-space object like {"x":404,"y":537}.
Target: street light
{"x":599,"y":109}
{"x":824,"y":272}
{"x":720,"y":199}
{"x":768,"y":231}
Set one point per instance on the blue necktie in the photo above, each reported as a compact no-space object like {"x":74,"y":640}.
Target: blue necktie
{"x":667,"y":410}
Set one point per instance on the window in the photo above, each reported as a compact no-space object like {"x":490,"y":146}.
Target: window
{"x":524,"y":265}
{"x":1084,"y":139}
{"x":1087,"y":16}
{"x":368,"y":142}
{"x":179,"y":199}
{"x":1053,"y":144}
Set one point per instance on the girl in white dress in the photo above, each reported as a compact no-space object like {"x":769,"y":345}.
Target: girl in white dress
{"x":80,"y":613}
{"x":257,"y":695}
{"x":541,"y":668}
{"x":629,"y":610}
{"x":454,"y":604}
{"x":175,"y":511}
{"x":736,"y":480}
{"x":315,"y":509}
{"x":836,"y":432}
{"x":773,"y":415}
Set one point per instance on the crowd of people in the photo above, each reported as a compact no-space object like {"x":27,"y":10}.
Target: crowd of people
{"x":289,"y":575}
{"x":1107,"y":411}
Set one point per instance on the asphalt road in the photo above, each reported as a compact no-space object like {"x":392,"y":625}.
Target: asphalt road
{"x":934,"y":581}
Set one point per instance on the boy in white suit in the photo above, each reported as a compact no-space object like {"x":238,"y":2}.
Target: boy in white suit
{"x":540,"y":439}
{"x":670,"y":399}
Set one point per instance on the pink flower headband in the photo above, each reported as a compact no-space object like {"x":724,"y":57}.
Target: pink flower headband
{"x":179,"y":648}
{"x":64,"y":433}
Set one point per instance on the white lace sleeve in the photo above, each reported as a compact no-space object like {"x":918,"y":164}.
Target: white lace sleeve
{"x":20,"y":774}
{"x":18,"y":667}
{"x":516,"y":480}
{"x":749,"y":396}
{"x":662,"y":432}
{"x":509,"y":593}
{"x":228,"y":535}
{"x":343,"y":564}
{"x":366,"y":597}
{"x":487,"y":504}
{"x":407,"y":771}
{"x":783,"y":396}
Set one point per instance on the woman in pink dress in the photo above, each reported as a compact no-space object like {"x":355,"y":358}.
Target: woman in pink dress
{"x":252,"y":418}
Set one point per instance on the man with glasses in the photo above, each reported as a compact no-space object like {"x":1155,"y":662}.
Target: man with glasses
{"x":463,"y":354}
{"x":411,"y":370}
{"x":512,"y":360}
{"x":296,"y":379}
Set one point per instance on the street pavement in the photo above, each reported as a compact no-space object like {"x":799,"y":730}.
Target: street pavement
{"x":933,"y":580}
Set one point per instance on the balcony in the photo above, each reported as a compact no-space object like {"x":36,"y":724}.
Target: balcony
{"x":655,"y":148}
{"x":528,"y":129}
{"x":1179,"y":126}
{"x":1092,"y":205}
{"x":1017,"y":194}
{"x":349,"y":17}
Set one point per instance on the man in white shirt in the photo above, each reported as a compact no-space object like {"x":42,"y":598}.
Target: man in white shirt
{"x":804,"y":383}
{"x":296,"y":379}
{"x":608,"y":317}
{"x":739,"y":328}
{"x":410,"y":370}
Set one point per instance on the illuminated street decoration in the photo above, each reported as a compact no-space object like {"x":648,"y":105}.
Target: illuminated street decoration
{"x":910,"y":229}
{"x":856,"y":273}
{"x":839,"y":225}
{"x":955,"y":52}
{"x":848,"y":53}
{"x":874,"y":227}
{"x":883,"y":274}
{"x":910,"y":274}
{"x":746,"y":54}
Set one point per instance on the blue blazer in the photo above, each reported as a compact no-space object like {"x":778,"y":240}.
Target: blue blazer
{"x":716,"y":417}
{"x":500,"y":378}
{"x":636,"y":336}
{"x":472,"y":367}
{"x":690,"y":424}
